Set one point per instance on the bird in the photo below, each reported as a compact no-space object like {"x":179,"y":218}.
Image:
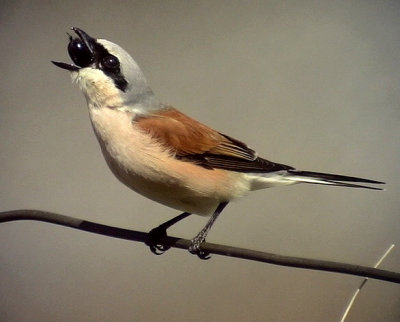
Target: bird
{"x":165,"y":155}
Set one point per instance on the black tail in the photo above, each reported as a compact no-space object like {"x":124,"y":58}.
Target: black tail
{"x":331,"y":179}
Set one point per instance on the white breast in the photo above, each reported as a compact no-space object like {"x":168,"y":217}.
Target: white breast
{"x":147,"y":167}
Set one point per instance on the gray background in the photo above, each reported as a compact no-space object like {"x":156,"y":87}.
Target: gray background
{"x":313,"y":84}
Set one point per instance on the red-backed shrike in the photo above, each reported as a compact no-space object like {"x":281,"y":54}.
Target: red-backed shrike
{"x":165,"y":155}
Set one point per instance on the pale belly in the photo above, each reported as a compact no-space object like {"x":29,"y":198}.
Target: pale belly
{"x":146,"y":167}
{"x":166,"y":189}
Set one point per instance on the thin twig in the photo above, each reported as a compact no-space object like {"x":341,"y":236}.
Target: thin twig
{"x":208,"y":247}
{"x":346,"y":311}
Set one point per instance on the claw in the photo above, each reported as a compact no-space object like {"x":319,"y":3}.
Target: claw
{"x":157,"y":236}
{"x":154,"y":241}
{"x":195,"y":249}
{"x":158,"y":249}
{"x":204,"y":255}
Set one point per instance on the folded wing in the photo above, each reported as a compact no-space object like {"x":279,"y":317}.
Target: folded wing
{"x":195,"y":142}
{"x":192,"y":141}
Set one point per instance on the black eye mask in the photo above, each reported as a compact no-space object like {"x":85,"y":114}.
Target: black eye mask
{"x":86,"y":51}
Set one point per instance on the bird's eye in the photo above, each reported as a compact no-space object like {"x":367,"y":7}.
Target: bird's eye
{"x":110,"y":62}
{"x":79,"y":53}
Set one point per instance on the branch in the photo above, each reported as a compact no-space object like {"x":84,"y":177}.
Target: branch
{"x":248,"y":254}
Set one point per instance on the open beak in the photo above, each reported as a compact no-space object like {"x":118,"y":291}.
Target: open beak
{"x":80,"y":50}
{"x":70,"y":67}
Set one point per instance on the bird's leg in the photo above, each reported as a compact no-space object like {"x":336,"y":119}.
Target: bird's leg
{"x":157,"y":235}
{"x":201,"y":236}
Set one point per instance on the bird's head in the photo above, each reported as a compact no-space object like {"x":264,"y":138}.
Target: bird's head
{"x":107,"y":74}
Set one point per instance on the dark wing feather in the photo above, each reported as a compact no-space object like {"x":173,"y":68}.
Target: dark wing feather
{"x":212,"y":161}
{"x":194,"y":142}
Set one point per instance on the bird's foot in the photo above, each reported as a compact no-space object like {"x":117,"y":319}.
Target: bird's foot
{"x":157,"y":237}
{"x":156,"y":240}
{"x":195,"y":249}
